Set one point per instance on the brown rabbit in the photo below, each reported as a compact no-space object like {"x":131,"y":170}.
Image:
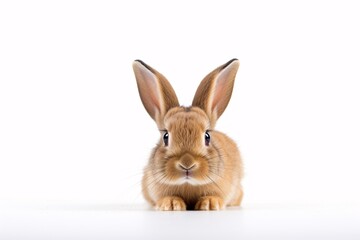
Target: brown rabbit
{"x":193,"y":166}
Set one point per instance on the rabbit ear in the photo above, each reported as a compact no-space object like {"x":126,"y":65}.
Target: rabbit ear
{"x":156,"y":93}
{"x":214,"y":92}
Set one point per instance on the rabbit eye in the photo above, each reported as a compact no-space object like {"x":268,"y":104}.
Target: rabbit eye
{"x":207,"y":138}
{"x":166,"y":138}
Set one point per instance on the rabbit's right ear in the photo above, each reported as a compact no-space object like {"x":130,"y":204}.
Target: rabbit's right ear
{"x":156,"y":93}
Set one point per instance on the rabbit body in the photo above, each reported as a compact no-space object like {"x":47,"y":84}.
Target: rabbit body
{"x":193,"y":166}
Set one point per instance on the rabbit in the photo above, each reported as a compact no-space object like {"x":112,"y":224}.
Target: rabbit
{"x":193,"y":166}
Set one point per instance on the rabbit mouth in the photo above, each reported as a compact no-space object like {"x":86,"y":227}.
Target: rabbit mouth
{"x":187,"y":172}
{"x":188,"y":175}
{"x":187,"y":178}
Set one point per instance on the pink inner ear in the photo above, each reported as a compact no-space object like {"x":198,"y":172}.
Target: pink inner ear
{"x":150,"y":96}
{"x":219,"y":90}
{"x":148,"y":89}
{"x":223,"y":86}
{"x":152,"y":90}
{"x":222,"y":92}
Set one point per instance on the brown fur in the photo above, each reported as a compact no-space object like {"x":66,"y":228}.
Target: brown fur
{"x":214,"y":172}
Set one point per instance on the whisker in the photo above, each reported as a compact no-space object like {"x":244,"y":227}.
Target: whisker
{"x":221,"y":177}
{"x":216,"y":184}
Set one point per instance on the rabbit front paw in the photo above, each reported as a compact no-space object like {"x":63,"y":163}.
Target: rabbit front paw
{"x":170,"y":204}
{"x":209,"y":203}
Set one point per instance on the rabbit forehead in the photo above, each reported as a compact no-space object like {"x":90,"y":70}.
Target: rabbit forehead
{"x":190,"y":118}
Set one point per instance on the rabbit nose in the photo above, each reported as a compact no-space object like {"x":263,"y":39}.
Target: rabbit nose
{"x":187,"y":162}
{"x":186,"y":168}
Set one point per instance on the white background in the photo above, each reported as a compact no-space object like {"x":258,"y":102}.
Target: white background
{"x":73,"y":129}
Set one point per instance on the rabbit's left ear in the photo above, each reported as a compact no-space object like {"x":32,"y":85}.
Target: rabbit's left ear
{"x":214,"y":92}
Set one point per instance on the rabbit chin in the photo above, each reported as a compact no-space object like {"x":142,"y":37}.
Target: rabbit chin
{"x":189,"y":180}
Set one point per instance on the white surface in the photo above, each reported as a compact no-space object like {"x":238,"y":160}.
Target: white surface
{"x":138,"y":222}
